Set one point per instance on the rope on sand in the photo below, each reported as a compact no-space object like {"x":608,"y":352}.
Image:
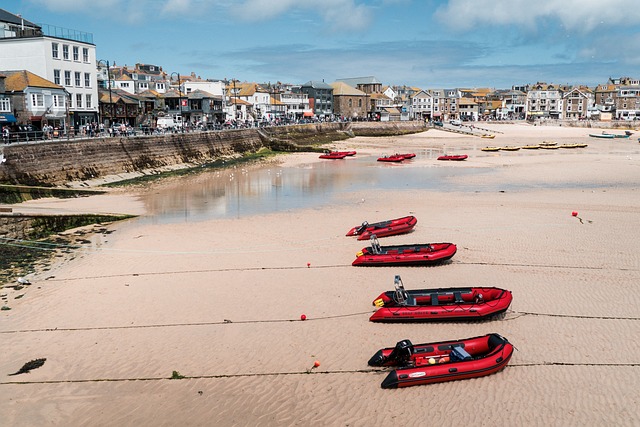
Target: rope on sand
{"x":569,"y":316}
{"x":306,"y":372}
{"x":173,"y":325}
{"x":210,"y":270}
{"x":578,"y":267}
{"x":307,"y":319}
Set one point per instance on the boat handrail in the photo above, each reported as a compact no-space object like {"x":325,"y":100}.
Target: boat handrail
{"x":400,"y":294}
{"x":375,"y":245}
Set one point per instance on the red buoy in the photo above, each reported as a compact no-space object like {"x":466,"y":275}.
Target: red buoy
{"x":303,"y":317}
{"x":574,"y":213}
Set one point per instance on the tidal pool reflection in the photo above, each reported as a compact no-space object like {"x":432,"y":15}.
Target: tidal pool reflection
{"x":239,"y":191}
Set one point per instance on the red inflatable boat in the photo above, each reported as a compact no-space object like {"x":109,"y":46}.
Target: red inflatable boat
{"x":396,"y":158}
{"x":333,"y":155}
{"x":346,"y":153}
{"x":453,"y":157}
{"x":443,"y":361}
{"x":407,"y":156}
{"x":422,"y":305}
{"x":384,"y":228}
{"x":416,"y":254}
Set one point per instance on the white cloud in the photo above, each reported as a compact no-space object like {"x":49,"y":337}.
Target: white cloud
{"x":78,"y":5}
{"x":575,"y":15}
{"x":337,"y":14}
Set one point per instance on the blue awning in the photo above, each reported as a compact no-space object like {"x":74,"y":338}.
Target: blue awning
{"x":7,"y":118}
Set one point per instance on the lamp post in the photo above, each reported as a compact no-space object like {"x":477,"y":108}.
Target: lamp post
{"x":235,"y":107}
{"x":179,"y":99}
{"x":109,"y":86}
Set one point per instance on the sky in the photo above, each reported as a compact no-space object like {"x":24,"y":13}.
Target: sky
{"x":425,"y":43}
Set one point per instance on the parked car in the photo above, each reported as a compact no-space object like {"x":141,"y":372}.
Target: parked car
{"x":455,"y":122}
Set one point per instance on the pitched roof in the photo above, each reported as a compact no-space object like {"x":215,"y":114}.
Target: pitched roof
{"x":149,"y":93}
{"x":20,"y":80}
{"x":379,"y":96}
{"x":355,"y":81}
{"x":341,"y":88}
{"x":15,"y":19}
{"x":201,"y":94}
{"x":317,"y":84}
{"x":248,"y":89}
{"x":238,"y":101}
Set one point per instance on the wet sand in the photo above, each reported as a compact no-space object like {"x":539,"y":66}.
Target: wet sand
{"x":220,"y":301}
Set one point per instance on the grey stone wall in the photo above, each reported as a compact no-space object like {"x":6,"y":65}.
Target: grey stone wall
{"x":55,"y":163}
{"x":15,"y":227}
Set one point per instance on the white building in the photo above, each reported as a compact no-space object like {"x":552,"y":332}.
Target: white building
{"x":62,"y":56}
{"x":422,"y":105}
{"x":296,"y":105}
{"x":545,"y":101}
{"x":216,"y":87}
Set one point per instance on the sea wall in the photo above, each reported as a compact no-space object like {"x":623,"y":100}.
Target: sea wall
{"x":387,"y":128}
{"x":20,"y":226}
{"x":59,"y":162}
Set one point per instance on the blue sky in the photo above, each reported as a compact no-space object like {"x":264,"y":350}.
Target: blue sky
{"x":424,"y":43}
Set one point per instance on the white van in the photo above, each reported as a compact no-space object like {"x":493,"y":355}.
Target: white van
{"x":168,"y":122}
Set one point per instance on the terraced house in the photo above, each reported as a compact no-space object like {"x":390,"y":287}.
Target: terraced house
{"x":577,"y":103}
{"x":63,"y":56}
{"x":544,"y":101}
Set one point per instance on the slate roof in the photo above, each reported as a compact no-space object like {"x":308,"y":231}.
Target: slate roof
{"x":355,"y":81}
{"x":15,"y":19}
{"x":201,"y":94}
{"x":317,"y":85}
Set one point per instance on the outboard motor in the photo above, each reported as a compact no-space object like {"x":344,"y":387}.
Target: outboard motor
{"x":400,"y":355}
{"x":363,"y":227}
{"x":402,"y":352}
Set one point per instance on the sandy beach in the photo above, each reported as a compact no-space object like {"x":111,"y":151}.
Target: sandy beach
{"x":219,"y":301}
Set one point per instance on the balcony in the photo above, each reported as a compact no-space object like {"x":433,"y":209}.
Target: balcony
{"x":48,"y":30}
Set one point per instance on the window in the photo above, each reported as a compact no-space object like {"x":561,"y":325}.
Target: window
{"x":88,"y":101}
{"x":76,"y":53}
{"x":54,"y":50}
{"x":78,"y":100}
{"x":85,"y":54}
{"x":58,"y":101}
{"x":37,"y":100}
{"x":87,"y":80}
{"x":350,"y":103}
{"x":359,"y":102}
{"x":67,"y":78}
{"x":124,"y":84}
{"x":5,"y":105}
{"x":65,"y":52}
{"x":77,"y":78}
{"x":56,"y":76}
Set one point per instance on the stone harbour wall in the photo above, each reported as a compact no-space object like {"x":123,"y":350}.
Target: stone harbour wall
{"x":14,"y":227}
{"x":59,"y":162}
